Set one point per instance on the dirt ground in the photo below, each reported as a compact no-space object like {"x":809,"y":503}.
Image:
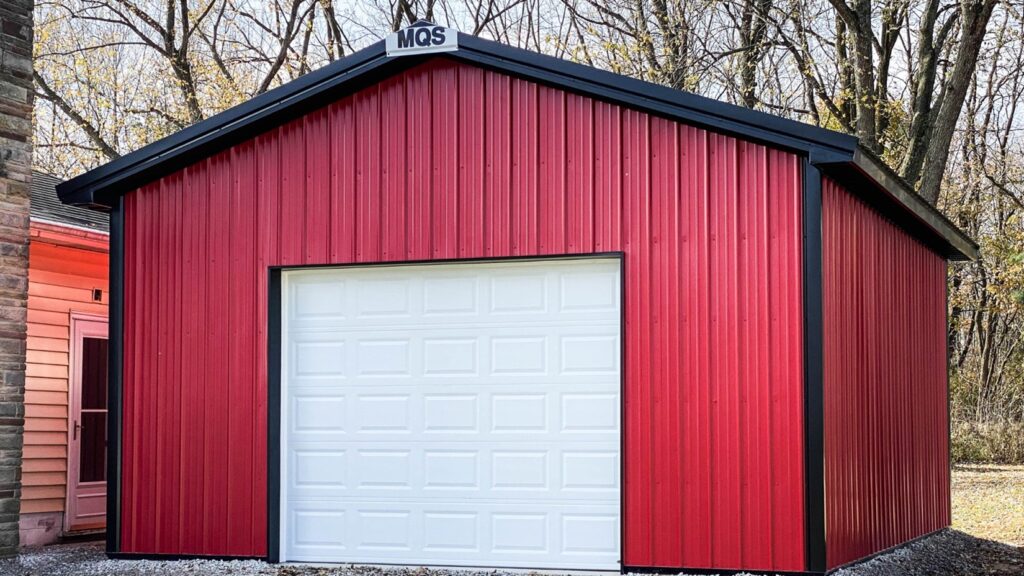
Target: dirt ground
{"x":986,"y":540}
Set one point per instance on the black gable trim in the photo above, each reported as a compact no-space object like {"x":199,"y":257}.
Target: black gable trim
{"x":98,"y":187}
{"x":835,"y":152}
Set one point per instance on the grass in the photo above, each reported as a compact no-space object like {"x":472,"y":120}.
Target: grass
{"x":988,"y":501}
{"x":988,"y":443}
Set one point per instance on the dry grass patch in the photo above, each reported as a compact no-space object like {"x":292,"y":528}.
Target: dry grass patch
{"x":988,"y":502}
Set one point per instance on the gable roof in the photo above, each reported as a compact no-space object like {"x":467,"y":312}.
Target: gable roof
{"x":44,"y":205}
{"x":834,"y":153}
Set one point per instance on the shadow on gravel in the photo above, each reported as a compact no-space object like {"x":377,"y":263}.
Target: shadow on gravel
{"x":949,"y":553}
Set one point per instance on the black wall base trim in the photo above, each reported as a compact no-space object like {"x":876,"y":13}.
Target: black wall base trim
{"x":173,"y":557}
{"x":711,"y":571}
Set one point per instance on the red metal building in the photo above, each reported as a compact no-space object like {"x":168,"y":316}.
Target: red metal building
{"x":459,"y":303}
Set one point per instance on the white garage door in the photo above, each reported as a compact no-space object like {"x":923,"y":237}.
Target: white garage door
{"x":463,"y":414}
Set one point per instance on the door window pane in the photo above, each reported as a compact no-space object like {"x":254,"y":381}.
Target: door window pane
{"x":93,"y":452}
{"x":93,"y":431}
{"x":94,"y":373}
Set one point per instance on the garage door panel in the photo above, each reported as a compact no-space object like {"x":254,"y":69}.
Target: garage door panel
{"x":546,"y":471}
{"x":559,"y":536}
{"x":457,"y":414}
{"x":497,"y":354}
{"x":502,"y":294}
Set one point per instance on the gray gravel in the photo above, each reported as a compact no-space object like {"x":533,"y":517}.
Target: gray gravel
{"x":949,"y":553}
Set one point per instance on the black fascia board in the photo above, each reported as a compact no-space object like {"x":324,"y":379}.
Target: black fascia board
{"x":660,"y":100}
{"x":867,"y":178}
{"x":257,"y":115}
{"x":98,"y":187}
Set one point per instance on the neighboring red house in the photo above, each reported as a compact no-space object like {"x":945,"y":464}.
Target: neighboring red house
{"x":64,"y":463}
{"x":446,"y":302}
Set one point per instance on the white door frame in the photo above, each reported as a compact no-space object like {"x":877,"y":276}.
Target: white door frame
{"x":81,"y":325}
{"x":277,"y":385}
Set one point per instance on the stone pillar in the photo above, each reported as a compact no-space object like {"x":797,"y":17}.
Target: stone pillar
{"x":15,"y":172}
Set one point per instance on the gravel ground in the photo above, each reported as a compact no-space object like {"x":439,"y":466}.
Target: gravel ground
{"x":950,"y":553}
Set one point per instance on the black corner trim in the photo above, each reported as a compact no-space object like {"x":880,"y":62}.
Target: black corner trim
{"x":115,"y":365}
{"x":274,"y":417}
{"x":814,"y":406}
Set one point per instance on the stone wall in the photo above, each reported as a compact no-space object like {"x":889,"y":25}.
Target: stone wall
{"x":15,"y":172}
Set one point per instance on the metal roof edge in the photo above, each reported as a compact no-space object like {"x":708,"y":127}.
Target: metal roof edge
{"x":98,"y":188}
{"x":959,"y":246}
{"x":81,"y":190}
{"x":661,"y":100}
{"x":92,"y":188}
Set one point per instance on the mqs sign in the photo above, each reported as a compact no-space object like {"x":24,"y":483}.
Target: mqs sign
{"x":421,"y":39}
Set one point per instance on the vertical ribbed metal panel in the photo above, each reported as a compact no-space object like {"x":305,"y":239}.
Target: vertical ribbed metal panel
{"x":886,"y":435}
{"x":450,"y":161}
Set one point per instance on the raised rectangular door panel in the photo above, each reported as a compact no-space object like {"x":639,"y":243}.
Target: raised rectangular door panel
{"x":462,"y":414}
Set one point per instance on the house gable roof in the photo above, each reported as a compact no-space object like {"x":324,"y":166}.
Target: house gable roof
{"x":833,"y":152}
{"x":44,"y":205}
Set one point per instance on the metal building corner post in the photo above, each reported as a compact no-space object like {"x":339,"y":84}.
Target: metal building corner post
{"x":814,"y":396}
{"x":115,"y":366}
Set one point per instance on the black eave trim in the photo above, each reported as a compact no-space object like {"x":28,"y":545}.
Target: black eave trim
{"x":274,"y":417}
{"x":115,"y":365}
{"x":814,"y":404}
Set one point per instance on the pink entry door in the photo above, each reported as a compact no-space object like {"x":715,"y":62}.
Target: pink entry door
{"x":87,"y":425}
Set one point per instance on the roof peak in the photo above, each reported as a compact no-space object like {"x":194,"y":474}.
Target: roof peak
{"x":404,"y":49}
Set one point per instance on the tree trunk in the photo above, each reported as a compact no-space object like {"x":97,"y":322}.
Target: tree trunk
{"x":975,"y":16}
{"x":864,"y":76}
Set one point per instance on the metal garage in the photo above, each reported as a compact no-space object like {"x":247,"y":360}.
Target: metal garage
{"x":447,"y":302}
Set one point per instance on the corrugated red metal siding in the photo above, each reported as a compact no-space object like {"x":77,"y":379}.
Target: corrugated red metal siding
{"x":886,"y":435}
{"x":451,"y":161}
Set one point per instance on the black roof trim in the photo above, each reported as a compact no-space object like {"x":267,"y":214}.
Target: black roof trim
{"x":868,"y":177}
{"x":655,"y":98}
{"x":99,"y":188}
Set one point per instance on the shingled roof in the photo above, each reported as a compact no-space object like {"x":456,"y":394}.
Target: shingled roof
{"x":47,"y":207}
